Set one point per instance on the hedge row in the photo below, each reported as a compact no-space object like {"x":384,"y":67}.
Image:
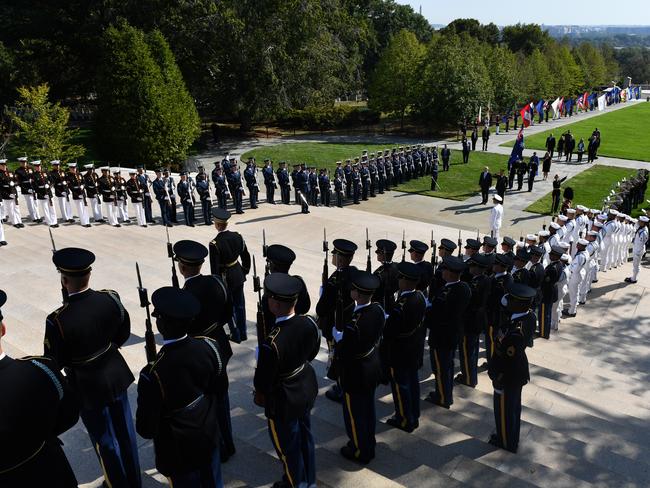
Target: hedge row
{"x":317,"y":118}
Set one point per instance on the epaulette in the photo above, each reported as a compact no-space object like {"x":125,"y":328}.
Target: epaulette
{"x":116,"y":298}
{"x":37,"y":358}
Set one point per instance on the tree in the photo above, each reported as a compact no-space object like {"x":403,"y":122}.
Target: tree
{"x":394,"y":83}
{"x":566,"y":76}
{"x":592,"y":63}
{"x":533,"y":77}
{"x":488,"y":33}
{"x":525,"y":37}
{"x":145,"y":113}
{"x":502,"y":68}
{"x":42,"y":126}
{"x":453,"y":85}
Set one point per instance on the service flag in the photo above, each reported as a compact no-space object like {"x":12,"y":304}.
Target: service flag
{"x":525,"y":116}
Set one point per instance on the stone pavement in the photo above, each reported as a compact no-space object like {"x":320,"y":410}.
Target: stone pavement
{"x":585,"y":411}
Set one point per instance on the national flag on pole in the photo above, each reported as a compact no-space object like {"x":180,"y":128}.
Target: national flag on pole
{"x":601,"y":103}
{"x":518,"y":148}
{"x":525,"y":116}
{"x":540,"y":106}
{"x":478,"y":119}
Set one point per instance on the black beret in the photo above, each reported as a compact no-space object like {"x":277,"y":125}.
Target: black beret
{"x":220,"y":214}
{"x":490,"y":241}
{"x":522,"y":255}
{"x":175,"y":303}
{"x":282,"y":287}
{"x":503,"y":260}
{"x":409,"y":271}
{"x":509,"y":241}
{"x":385,"y":245}
{"x":473,"y":244}
{"x":454,"y":264}
{"x":344,"y":247}
{"x":448,"y":245}
{"x":190,"y":252}
{"x":365,"y":282}
{"x":537,"y":250}
{"x":277,"y":253}
{"x":480,"y":260}
{"x":522,"y":292}
{"x":73,"y":261}
{"x":557,"y":250}
{"x":418,"y":246}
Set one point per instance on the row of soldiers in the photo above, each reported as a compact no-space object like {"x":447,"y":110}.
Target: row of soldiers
{"x":376,"y":324}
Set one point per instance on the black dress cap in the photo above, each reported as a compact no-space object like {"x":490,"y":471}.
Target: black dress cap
{"x":409,"y":271}
{"x":503,"y":260}
{"x":448,"y":245}
{"x":472,"y":244}
{"x":277,"y":253}
{"x":282,"y":287}
{"x":344,"y":247}
{"x":190,"y":252}
{"x":73,"y":261}
{"x":509,"y":241}
{"x":454,"y":264}
{"x":385,"y":245}
{"x":365,"y":282}
{"x":490,"y":241}
{"x":220,"y":214}
{"x":418,"y":246}
{"x":522,"y":292}
{"x":174,"y":303}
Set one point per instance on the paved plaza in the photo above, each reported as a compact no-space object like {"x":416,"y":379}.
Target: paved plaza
{"x":586,"y":410}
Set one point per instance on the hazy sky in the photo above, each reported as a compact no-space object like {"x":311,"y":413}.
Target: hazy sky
{"x":551,"y":12}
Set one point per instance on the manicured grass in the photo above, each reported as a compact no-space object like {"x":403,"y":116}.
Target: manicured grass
{"x":589,"y":187}
{"x":624,"y":133}
{"x":459,"y":183}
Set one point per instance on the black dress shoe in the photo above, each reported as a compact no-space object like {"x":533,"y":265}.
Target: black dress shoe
{"x":70,"y":221}
{"x":348,"y":453}
{"x":335,"y":394}
{"x":145,"y":226}
{"x":395,"y":422}
{"x":170,"y":225}
{"x":55,"y":226}
{"x":87,"y":225}
{"x":431,"y":398}
{"x":117,"y":225}
{"x":494,"y":440}
{"x":3,"y":243}
{"x":191,"y":225}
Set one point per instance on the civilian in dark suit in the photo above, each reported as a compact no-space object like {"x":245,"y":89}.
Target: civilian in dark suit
{"x":485,"y":135}
{"x":485,"y":182}
{"x":445,"y":154}
{"x":501,"y":184}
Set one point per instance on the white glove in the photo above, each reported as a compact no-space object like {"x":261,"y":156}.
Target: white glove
{"x":337,"y":334}
{"x":81,"y":186}
{"x":47,"y":187}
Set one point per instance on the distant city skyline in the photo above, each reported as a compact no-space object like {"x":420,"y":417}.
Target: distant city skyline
{"x":550,"y":12}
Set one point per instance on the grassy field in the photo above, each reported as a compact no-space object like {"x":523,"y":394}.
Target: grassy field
{"x":624,"y":133}
{"x":459,"y":183}
{"x":590,"y":187}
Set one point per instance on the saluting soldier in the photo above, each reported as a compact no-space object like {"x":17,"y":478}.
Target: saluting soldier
{"x":24,"y":179}
{"x":43,"y":195}
{"x":446,"y":328}
{"x":360,"y":368}
{"x":279,"y":259}
{"x":285,"y":381}
{"x":84,"y":336}
{"x":508,"y":368}
{"x":78,"y":192}
{"x":417,"y":252}
{"x":186,"y":194}
{"x":203,"y":189}
{"x":335,"y":305}
{"x":474,"y":320}
{"x":404,"y":343}
{"x":226,"y":250}
{"x":214,"y":314}
{"x":136,"y":193}
{"x":106,"y":187}
{"x":37,"y":406}
{"x":91,"y":185}
{"x":177,"y":395}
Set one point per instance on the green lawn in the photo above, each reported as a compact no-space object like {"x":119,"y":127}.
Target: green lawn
{"x":459,"y":183}
{"x":624,"y":133}
{"x":590,"y":187}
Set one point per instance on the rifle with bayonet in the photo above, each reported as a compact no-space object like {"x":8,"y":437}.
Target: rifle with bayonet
{"x":170,"y":254}
{"x":460,"y":245}
{"x":368,"y":248}
{"x":326,"y":274}
{"x":265,"y":250}
{"x":260,"y":325}
{"x":149,"y":340}
{"x":403,"y":245}
{"x":64,"y":291}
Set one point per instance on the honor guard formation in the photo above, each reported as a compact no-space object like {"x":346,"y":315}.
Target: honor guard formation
{"x":379,"y":324}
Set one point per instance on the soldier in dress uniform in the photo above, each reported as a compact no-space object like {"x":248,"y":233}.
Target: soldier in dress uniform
{"x":236,"y":187}
{"x":159,"y":188}
{"x":447,"y":309}
{"x":549,"y":292}
{"x":285,"y":185}
{"x":145,"y":182}
{"x":335,"y":305}
{"x":403,"y":340}
{"x":251,"y":182}
{"x":43,"y":195}
{"x":84,"y":336}
{"x":37,"y":406}
{"x":269,"y":181}
{"x":285,"y":381}
{"x":214,"y":314}
{"x":508,"y":368}
{"x":387,"y":274}
{"x":339,"y":184}
{"x":226,"y":250}
{"x":314,"y":189}
{"x":499,"y":282}
{"x":445,"y":248}
{"x":106,"y":187}
{"x":347,"y":172}
{"x":639,"y":242}
{"x":178,"y":395}
{"x":58,"y":181}
{"x":356,"y":184}
{"x":136,"y":193}
{"x":324,"y":187}
{"x":24,"y":179}
{"x":120,"y":193}
{"x":91,"y":185}
{"x":170,"y":186}
{"x":519,"y":271}
{"x":203,"y":189}
{"x":279,"y":259}
{"x":417,"y":250}
{"x":360,"y":368}
{"x":301,"y":185}
{"x":474,"y":319}
{"x":78,"y":192}
{"x":220,"y":187}
{"x":186,"y":194}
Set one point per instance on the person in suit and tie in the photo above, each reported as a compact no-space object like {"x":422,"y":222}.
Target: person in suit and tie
{"x":485,"y":182}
